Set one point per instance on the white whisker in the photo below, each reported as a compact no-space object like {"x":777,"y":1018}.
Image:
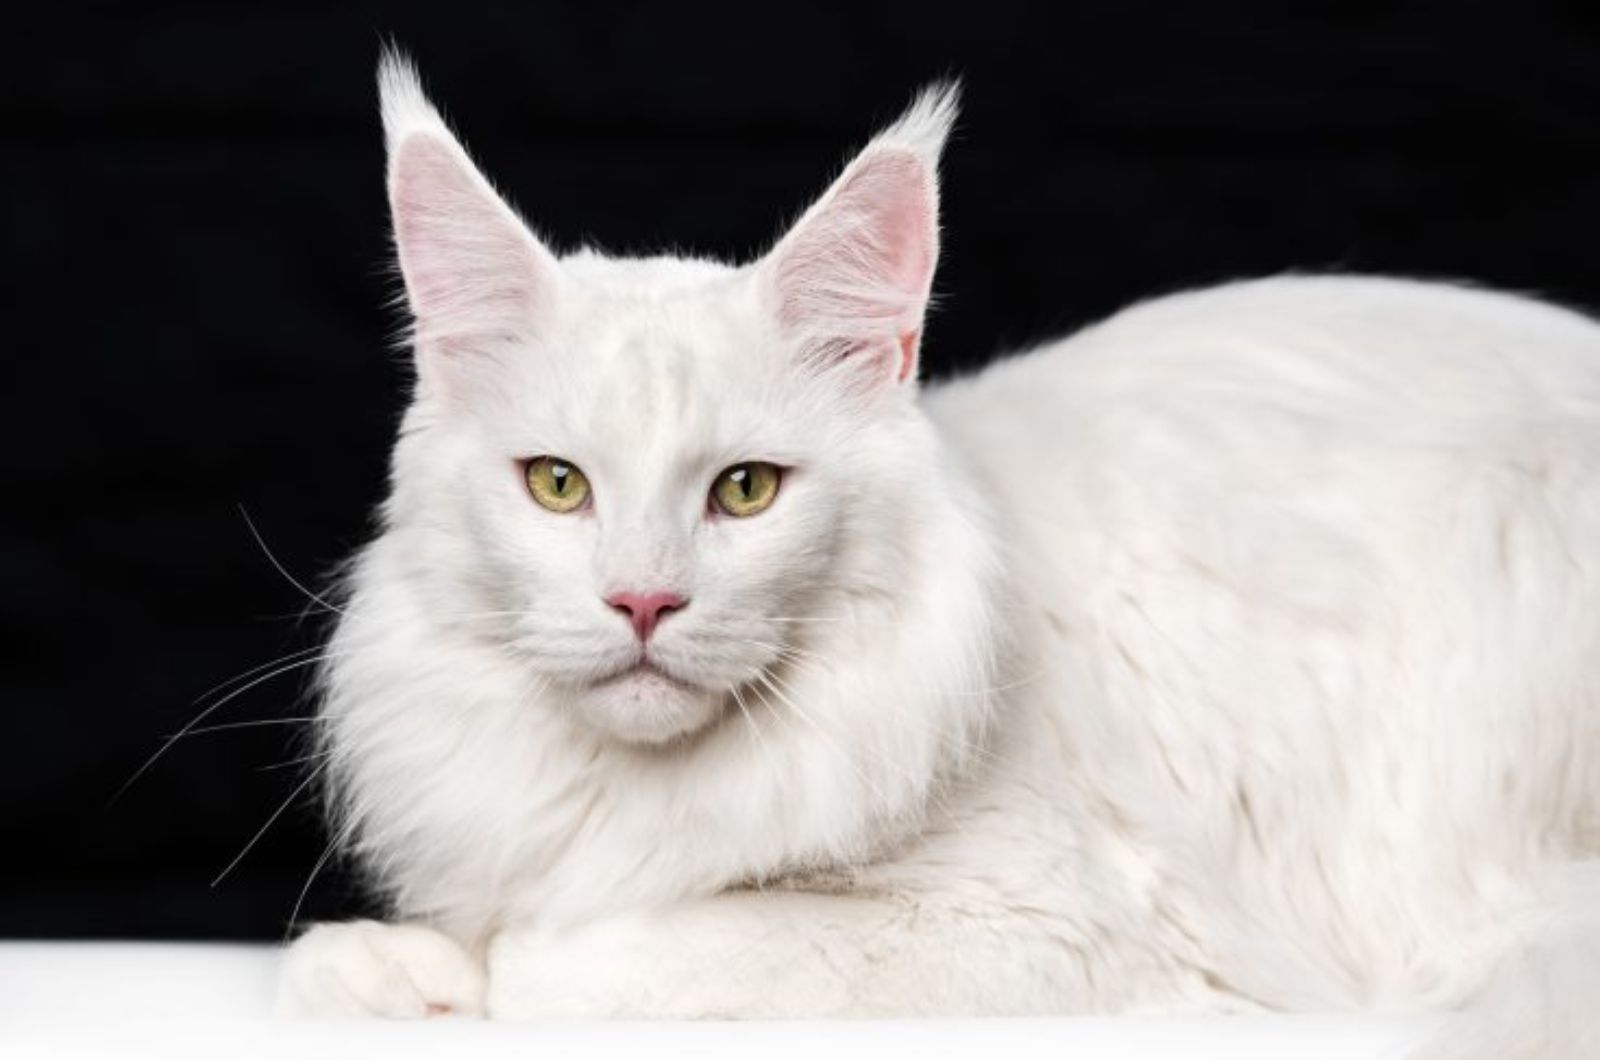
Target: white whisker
{"x":279,"y":567}
{"x":290,"y":763}
{"x":314,"y":649}
{"x":755,"y":727}
{"x":284,"y":805}
{"x":861,"y":774}
{"x":255,"y":723}
{"x":305,"y":889}
{"x":212,"y":709}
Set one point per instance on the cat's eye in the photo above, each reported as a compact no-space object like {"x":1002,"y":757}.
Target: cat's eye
{"x":745,"y":489}
{"x":556,"y":484}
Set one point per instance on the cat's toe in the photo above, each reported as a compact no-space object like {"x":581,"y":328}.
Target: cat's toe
{"x":364,"y":968}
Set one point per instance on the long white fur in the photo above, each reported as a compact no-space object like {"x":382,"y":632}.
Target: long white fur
{"x":1236,"y":654}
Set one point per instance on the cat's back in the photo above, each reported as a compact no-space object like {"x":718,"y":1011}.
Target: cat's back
{"x":1303,"y":439}
{"x":1255,"y":385}
{"x":1341,"y":340}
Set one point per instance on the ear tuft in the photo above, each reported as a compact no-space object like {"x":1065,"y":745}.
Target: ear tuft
{"x":405,"y":107}
{"x":926,"y":124}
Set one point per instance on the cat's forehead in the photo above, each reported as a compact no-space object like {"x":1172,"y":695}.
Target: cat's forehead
{"x":642,"y":325}
{"x":645,"y":276}
{"x":653,"y":357}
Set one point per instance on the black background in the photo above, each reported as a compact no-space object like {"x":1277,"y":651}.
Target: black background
{"x":195,"y":298}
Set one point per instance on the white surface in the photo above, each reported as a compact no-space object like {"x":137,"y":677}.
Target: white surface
{"x":101,"y":1000}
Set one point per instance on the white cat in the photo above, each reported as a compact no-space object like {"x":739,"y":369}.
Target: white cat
{"x":1236,"y":654}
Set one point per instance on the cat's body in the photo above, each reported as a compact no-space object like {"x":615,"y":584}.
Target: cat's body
{"x":1234,"y":654}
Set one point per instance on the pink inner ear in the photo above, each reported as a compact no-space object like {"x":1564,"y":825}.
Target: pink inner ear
{"x":855,"y":272}
{"x":891,"y":194}
{"x":908,"y":355}
{"x":469,"y":264}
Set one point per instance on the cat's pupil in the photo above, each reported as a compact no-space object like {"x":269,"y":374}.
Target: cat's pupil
{"x":559,"y":474}
{"x":741,"y":478}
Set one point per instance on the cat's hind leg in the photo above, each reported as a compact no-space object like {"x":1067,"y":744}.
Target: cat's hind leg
{"x":364,"y":968}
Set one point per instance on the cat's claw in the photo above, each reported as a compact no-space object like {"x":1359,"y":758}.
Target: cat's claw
{"x":364,"y":968}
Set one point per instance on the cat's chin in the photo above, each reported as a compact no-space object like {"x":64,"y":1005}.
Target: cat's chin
{"x":645,"y":705}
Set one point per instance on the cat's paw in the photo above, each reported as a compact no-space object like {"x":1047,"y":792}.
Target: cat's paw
{"x":364,"y":968}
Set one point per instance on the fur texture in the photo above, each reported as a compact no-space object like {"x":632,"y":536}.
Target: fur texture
{"x":1236,"y":654}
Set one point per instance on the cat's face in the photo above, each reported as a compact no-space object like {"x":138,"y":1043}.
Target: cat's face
{"x":657,"y":476}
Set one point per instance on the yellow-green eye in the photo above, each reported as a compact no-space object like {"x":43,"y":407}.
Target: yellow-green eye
{"x":556,"y":484}
{"x":745,"y":489}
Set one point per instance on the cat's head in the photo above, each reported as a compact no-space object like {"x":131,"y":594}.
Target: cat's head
{"x":654,"y":481}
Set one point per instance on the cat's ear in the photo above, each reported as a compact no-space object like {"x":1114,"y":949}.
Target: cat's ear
{"x":852,"y":278}
{"x":477,"y":280}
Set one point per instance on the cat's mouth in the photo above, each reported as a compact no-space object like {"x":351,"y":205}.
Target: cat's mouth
{"x":645,"y":703}
{"x":647,"y":671}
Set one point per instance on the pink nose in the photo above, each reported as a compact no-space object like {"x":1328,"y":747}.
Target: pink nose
{"x":644,"y":610}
